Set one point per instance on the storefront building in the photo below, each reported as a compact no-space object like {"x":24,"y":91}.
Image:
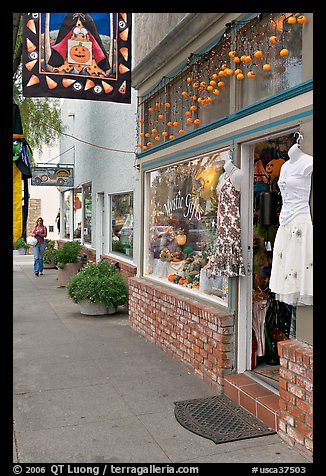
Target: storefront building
{"x":217,"y":89}
{"x":99,"y":210}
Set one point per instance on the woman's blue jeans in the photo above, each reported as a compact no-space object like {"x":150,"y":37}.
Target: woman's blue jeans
{"x":38,"y":251}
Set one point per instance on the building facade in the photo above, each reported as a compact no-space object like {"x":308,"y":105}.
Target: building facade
{"x":210,"y":89}
{"x":216,"y":88}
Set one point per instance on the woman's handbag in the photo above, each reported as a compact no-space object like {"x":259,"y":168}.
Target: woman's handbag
{"x":31,"y":241}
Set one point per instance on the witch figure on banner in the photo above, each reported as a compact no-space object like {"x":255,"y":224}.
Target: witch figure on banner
{"x":78,"y":48}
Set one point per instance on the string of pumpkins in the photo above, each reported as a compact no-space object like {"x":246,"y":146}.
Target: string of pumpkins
{"x":214,"y":86}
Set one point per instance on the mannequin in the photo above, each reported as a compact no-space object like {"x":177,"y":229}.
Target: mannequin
{"x":292,"y":268}
{"x":230,"y":170}
{"x":227,"y":259}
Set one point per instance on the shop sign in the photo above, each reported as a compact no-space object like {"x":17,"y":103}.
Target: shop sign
{"x":53,"y":176}
{"x":191,"y":206}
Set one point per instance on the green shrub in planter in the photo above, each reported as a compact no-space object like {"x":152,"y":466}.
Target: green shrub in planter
{"x":50,"y":253}
{"x":20,"y":243}
{"x":99,"y":283}
{"x":70,"y":252}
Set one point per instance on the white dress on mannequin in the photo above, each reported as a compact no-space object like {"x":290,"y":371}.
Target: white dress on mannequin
{"x":292,"y":267}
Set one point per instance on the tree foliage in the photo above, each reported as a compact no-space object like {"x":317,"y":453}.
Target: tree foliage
{"x":40,"y":116}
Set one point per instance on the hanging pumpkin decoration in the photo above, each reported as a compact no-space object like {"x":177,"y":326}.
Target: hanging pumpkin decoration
{"x":258,"y":54}
{"x":197,"y":121}
{"x":240,"y":76}
{"x":236,"y":59}
{"x":221,"y":84}
{"x":284,"y":52}
{"x":189,"y":79}
{"x":251,"y":74}
{"x":190,"y":120}
{"x":292,"y":20}
{"x":273,"y":39}
{"x":216,"y":92}
{"x":164,"y":134}
{"x":266,"y":67}
{"x":167,"y":105}
{"x":302,"y":19}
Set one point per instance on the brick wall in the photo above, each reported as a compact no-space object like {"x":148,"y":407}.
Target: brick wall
{"x":296,"y":395}
{"x":34,"y":212}
{"x":198,"y":335}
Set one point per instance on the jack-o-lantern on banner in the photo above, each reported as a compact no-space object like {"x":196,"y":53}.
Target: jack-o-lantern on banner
{"x":77,"y":56}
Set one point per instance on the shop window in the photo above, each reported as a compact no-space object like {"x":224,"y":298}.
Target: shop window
{"x":122,"y":224}
{"x":77,"y":212}
{"x":87,"y":198}
{"x":66,"y":214}
{"x":181,"y":227}
{"x":201,"y":93}
{"x":285,"y":72}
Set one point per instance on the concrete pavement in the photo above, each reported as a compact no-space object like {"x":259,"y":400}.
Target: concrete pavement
{"x":91,"y":390}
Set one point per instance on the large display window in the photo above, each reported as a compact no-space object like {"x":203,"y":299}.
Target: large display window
{"x":87,"y":210}
{"x":122,"y":223}
{"x":181,"y":225}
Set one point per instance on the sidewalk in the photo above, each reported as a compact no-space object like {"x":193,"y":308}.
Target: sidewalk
{"x":91,"y":390}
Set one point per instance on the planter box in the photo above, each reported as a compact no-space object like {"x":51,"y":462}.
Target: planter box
{"x":92,"y":308}
{"x":49,"y":265}
{"x":66,"y":272}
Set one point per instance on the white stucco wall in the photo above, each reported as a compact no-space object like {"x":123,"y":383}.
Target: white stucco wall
{"x":49,"y":195}
{"x":103,"y":126}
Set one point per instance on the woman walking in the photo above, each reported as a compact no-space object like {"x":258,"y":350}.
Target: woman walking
{"x":40,"y":232}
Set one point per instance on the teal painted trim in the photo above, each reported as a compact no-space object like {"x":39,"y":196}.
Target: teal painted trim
{"x":263,"y":104}
{"x":227,"y":140}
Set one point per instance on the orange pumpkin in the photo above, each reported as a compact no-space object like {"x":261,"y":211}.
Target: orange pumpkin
{"x":292,"y":20}
{"x":284,"y":52}
{"x":273,"y":39}
{"x":251,"y":74}
{"x":172,"y":277}
{"x":80,"y":54}
{"x":266,"y":67}
{"x":302,"y":19}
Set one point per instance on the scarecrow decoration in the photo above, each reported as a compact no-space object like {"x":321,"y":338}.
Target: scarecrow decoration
{"x":21,"y":172}
{"x":77,"y":56}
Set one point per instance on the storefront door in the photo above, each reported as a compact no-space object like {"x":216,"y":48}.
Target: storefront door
{"x":262,"y":321}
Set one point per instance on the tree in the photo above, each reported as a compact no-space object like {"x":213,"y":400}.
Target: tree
{"x":40,"y":116}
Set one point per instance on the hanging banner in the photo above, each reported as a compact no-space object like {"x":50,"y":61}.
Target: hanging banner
{"x":77,"y":56}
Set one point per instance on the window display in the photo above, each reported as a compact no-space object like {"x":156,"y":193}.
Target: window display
{"x":271,"y":319}
{"x":181,"y":231}
{"x":122,"y":224}
{"x":66,"y":214}
{"x":87,"y":196}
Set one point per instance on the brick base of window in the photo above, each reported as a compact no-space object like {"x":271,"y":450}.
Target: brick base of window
{"x":296,"y":395}
{"x":198,"y":335}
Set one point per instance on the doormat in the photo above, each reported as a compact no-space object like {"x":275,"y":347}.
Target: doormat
{"x":271,"y":372}
{"x":219,"y":419}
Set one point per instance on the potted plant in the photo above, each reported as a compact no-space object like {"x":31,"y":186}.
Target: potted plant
{"x":21,"y":246}
{"x":98,"y":288}
{"x":50,"y":254}
{"x":69,"y":261}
